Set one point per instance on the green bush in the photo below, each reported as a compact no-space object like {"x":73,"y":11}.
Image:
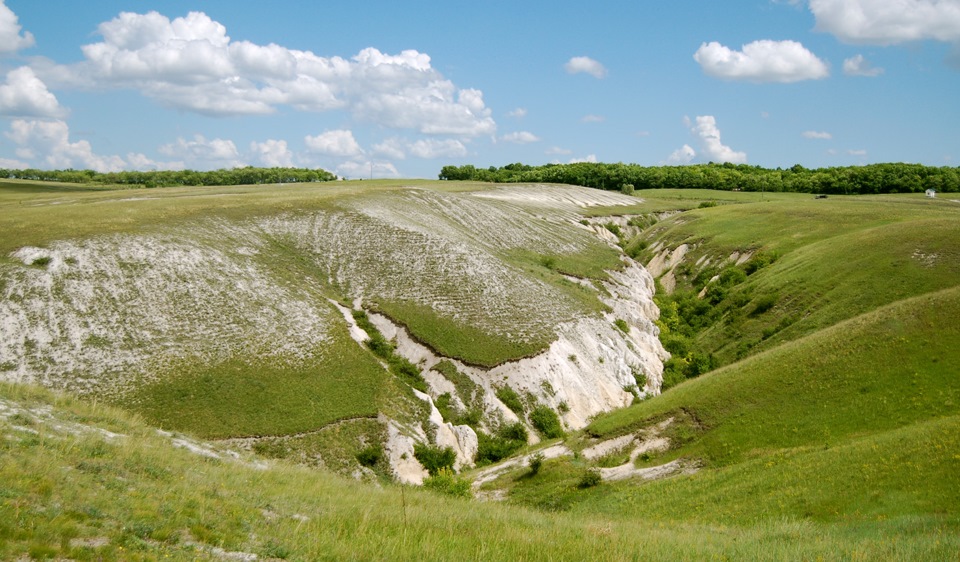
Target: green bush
{"x":547,"y":422}
{"x":446,"y":482}
{"x":510,"y":399}
{"x":434,"y":458}
{"x":764,"y":303}
{"x":590,"y":478}
{"x":627,"y":189}
{"x":622,"y":325}
{"x":370,"y":455}
{"x":536,"y":463}
{"x":506,"y":441}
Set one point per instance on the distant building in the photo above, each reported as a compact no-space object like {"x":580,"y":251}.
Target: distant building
{"x":931,"y":193}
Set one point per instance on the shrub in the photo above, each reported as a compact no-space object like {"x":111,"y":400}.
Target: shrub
{"x":627,"y":189}
{"x":614,"y":228}
{"x":506,"y":441}
{"x":370,"y":455}
{"x":622,"y":325}
{"x":707,"y":204}
{"x":764,"y":303}
{"x":446,"y":482}
{"x":590,"y":478}
{"x":510,"y":399}
{"x":547,"y":422}
{"x":536,"y":462}
{"x":434,"y":458}
{"x":42,"y":261}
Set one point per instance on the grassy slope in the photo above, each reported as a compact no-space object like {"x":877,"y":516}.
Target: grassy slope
{"x":850,"y":416}
{"x":252,"y":393}
{"x":70,"y":492}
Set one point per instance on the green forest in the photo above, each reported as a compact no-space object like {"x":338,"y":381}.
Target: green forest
{"x":170,"y":178}
{"x":873,"y":178}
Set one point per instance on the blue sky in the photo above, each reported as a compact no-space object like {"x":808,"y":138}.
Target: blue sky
{"x":402,"y":89}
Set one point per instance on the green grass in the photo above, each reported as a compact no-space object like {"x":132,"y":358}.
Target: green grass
{"x":877,"y":372}
{"x":458,"y":340}
{"x":241,"y":398}
{"x":136,"y":498}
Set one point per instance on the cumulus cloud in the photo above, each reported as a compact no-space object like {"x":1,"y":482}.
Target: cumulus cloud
{"x":520,"y":137}
{"x":398,"y":149}
{"x":586,"y":65}
{"x":433,"y":148}
{"x":592,"y":158}
{"x":857,"y":152}
{"x":706,"y":128}
{"x":558,"y":150}
{"x":823,"y":135}
{"x":683,"y":155}
{"x":859,"y":66}
{"x":190,"y":63}
{"x":392,"y":148}
{"x":355,"y":169}
{"x":339,"y":142}
{"x":49,"y":141}
{"x":888,"y":22}
{"x":519,"y":113}
{"x":25,"y":95}
{"x":761,"y":61}
{"x":272,"y":153}
{"x":10,"y":164}
{"x":11,"y":39}
{"x":142,"y":162}
{"x":200,"y":153}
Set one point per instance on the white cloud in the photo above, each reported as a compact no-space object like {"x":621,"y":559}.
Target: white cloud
{"x":888,"y":22}
{"x":683,"y":155}
{"x":191,"y":63}
{"x":50,"y":141}
{"x":761,"y":61}
{"x":272,"y":153}
{"x":353,"y":169}
{"x":339,"y":142}
{"x":391,"y":148}
{"x":859,"y":66}
{"x":558,"y":151}
{"x":398,"y":149}
{"x":433,"y":148}
{"x":519,"y":113}
{"x":138,"y":161}
{"x":520,"y":137}
{"x":857,"y":152}
{"x":816,"y":135}
{"x":200,"y":153}
{"x":586,"y":65}
{"x":593,"y":118}
{"x":10,"y":38}
{"x":9,"y":164}
{"x":25,"y":95}
{"x":590,"y":158}
{"x":706,"y":129}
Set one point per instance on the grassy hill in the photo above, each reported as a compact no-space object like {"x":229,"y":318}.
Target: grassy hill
{"x":225,"y":311}
{"x":826,"y":426}
{"x":88,"y":482}
{"x":845,"y":407}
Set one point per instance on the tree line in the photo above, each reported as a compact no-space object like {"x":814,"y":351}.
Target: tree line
{"x":170,"y":178}
{"x":872,"y":178}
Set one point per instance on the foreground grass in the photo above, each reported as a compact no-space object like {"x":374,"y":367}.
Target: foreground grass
{"x":67,"y":490}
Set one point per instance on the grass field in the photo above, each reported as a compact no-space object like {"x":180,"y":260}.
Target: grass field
{"x":845,"y":409}
{"x":68,"y":489}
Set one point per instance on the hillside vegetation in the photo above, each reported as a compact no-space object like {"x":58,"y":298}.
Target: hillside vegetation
{"x":842,"y":408}
{"x":811,"y":410}
{"x":232,"y":312}
{"x":87,"y":482}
